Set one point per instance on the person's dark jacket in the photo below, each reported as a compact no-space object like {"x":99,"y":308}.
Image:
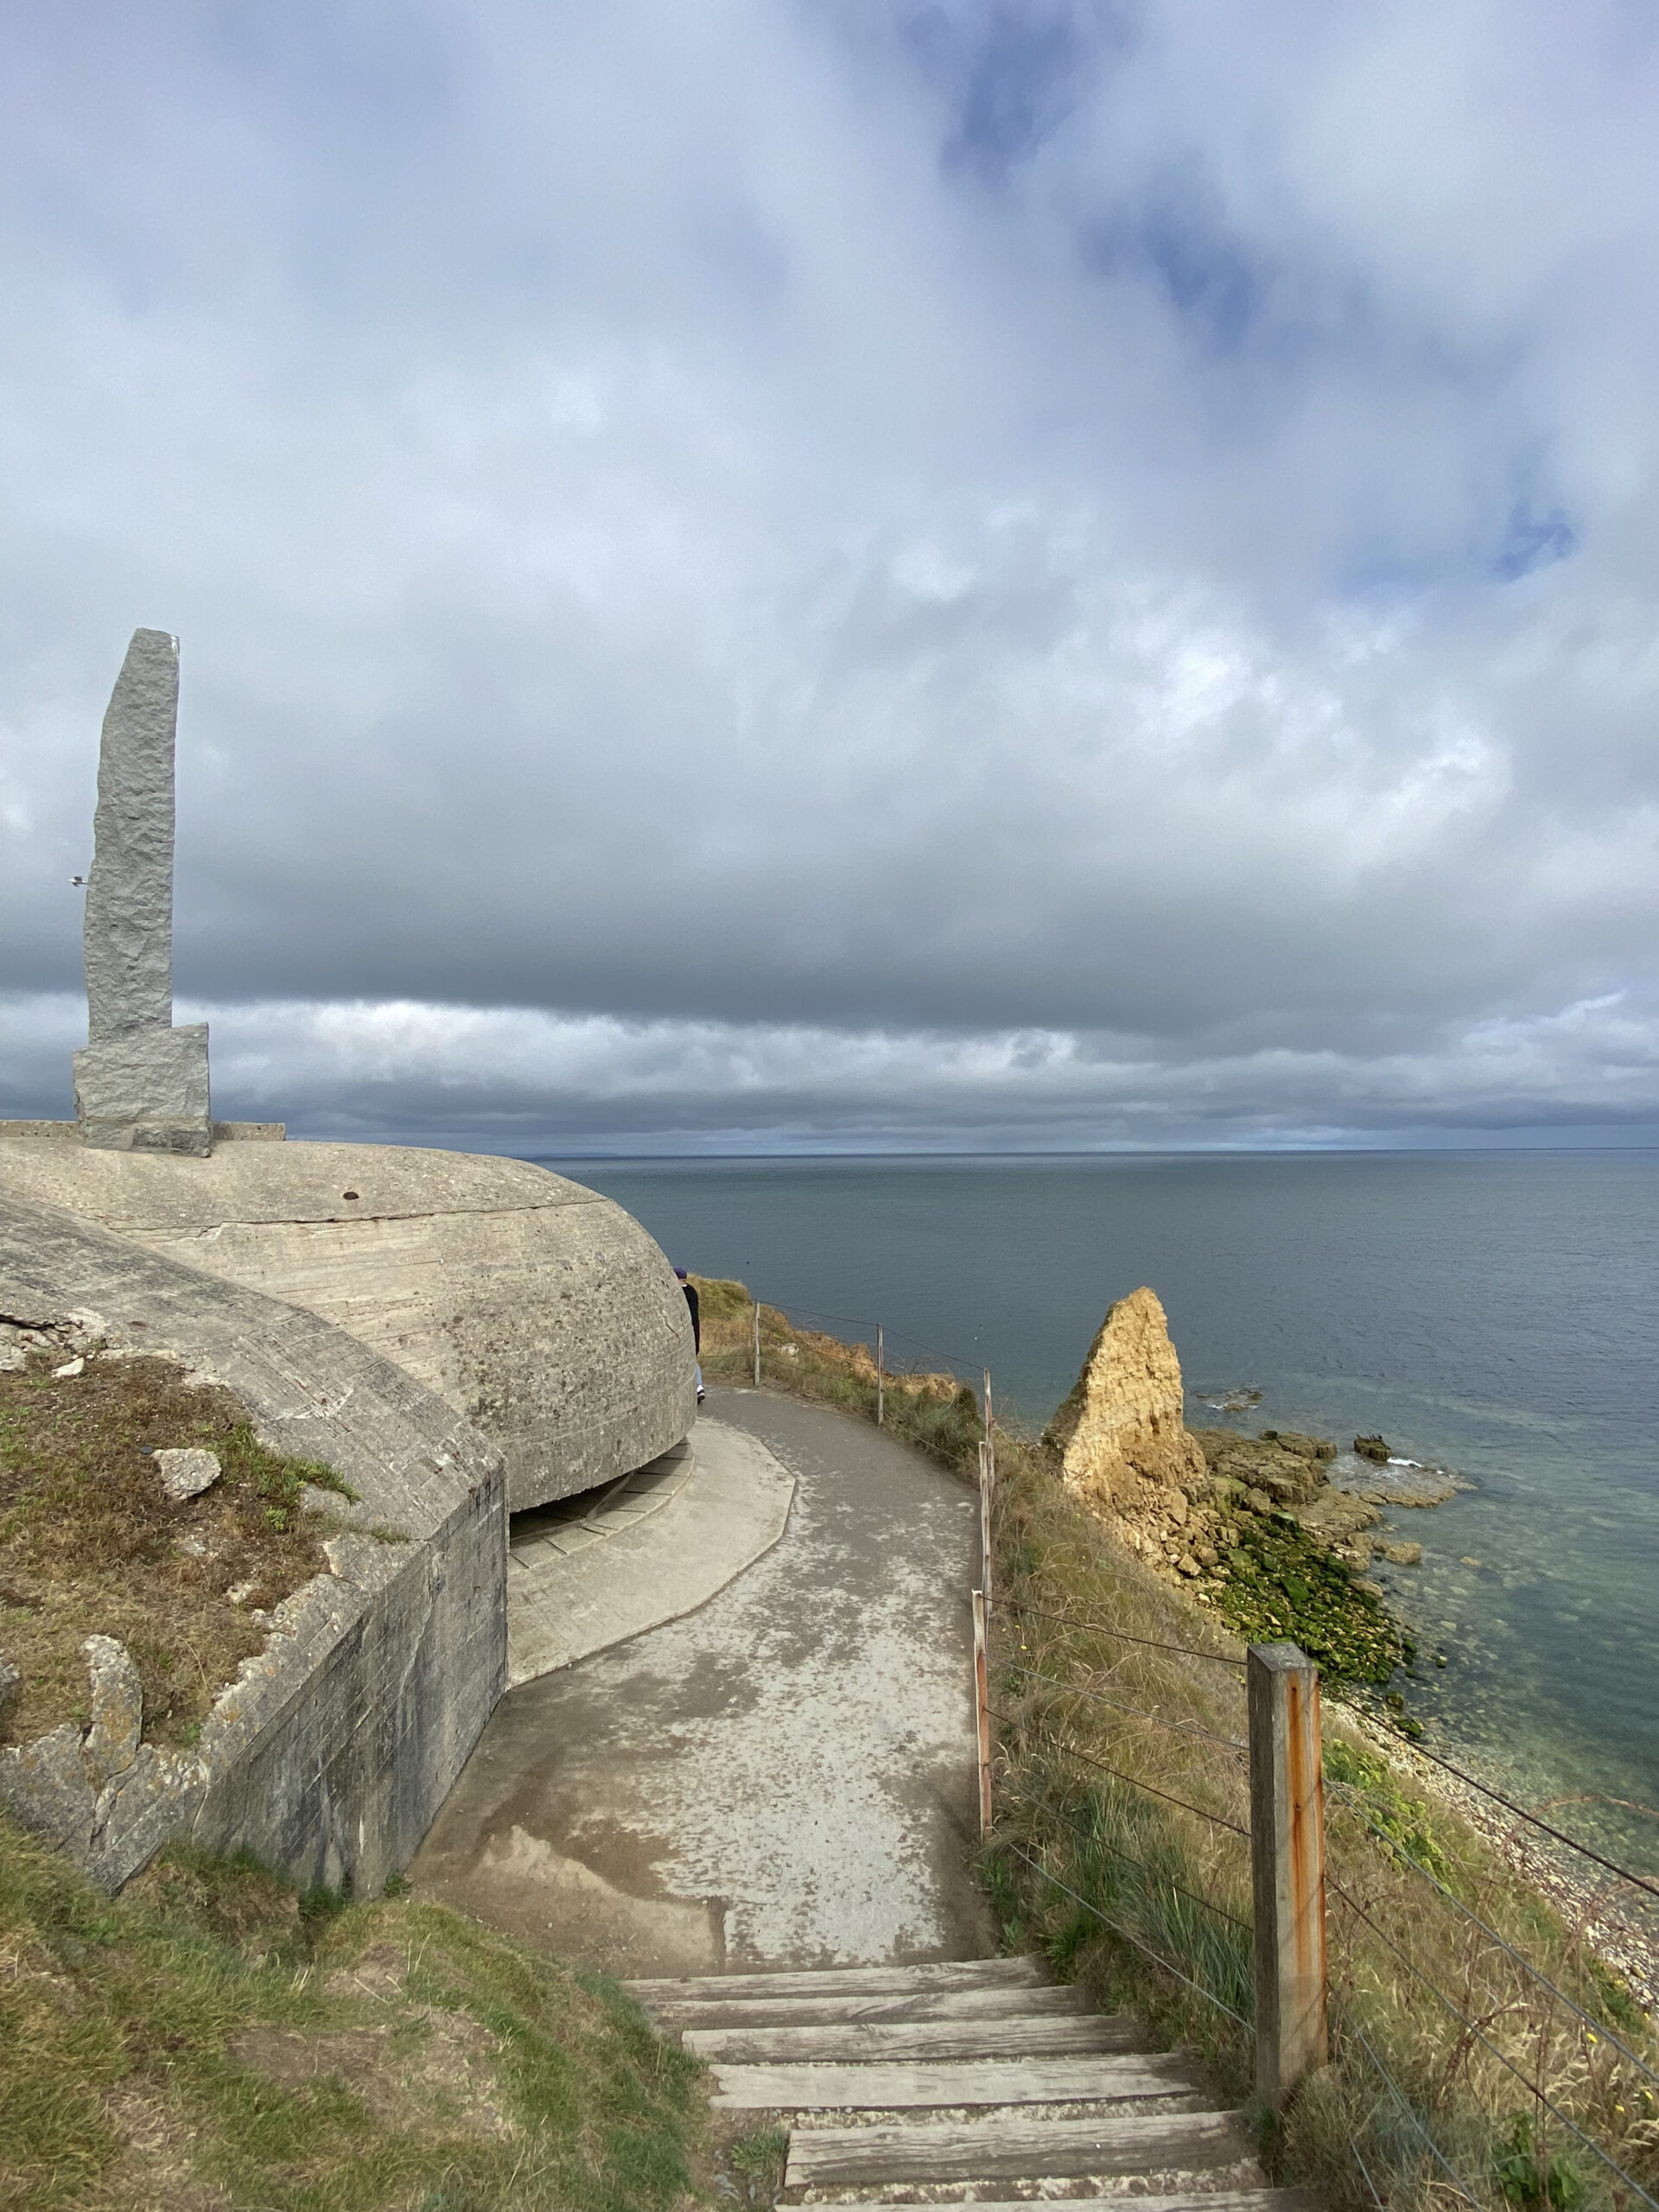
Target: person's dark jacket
{"x":690,"y":1290}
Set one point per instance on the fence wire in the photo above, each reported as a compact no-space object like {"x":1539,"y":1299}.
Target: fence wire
{"x":1076,"y":1752}
{"x":1166,"y":1881}
{"x":1145,"y":1949}
{"x":1137,"y":1712}
{"x":1558,"y":1835}
{"x":1099,"y":1628}
{"x":1413,"y":2116}
{"x":1533,"y":2089}
{"x":1397,"y":1850}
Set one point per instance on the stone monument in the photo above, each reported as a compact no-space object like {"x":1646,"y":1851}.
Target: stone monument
{"x":141,"y":1084}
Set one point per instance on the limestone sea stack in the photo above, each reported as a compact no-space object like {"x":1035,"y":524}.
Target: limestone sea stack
{"x":1121,"y":1428}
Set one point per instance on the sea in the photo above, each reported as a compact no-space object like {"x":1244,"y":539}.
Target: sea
{"x":1492,"y":1314}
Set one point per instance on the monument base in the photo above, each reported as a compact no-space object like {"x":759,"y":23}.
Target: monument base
{"x":146,"y":1091}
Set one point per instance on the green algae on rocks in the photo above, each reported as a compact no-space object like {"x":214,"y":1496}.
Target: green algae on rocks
{"x":1283,"y":1584}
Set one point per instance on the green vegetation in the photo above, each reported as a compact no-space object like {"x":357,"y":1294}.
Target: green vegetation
{"x":208,"y":2039}
{"x":761,"y":2158}
{"x":91,"y":1543}
{"x":935,"y":1413}
{"x":1117,"y":1850}
{"x":1283,"y":1584}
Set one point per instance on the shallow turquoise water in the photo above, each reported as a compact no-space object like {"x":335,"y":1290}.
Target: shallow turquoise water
{"x":1498,"y":1314}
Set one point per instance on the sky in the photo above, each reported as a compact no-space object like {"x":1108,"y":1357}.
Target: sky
{"x":839,"y":575}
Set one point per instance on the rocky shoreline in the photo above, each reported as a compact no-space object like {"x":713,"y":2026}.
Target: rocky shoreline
{"x":1274,"y":1532}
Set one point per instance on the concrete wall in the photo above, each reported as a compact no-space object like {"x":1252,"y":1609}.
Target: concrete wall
{"x":538,"y":1309}
{"x":330,"y":1755}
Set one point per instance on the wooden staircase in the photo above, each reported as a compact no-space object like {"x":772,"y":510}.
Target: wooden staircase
{"x":976,"y":2082}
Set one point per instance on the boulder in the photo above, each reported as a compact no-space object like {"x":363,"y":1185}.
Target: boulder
{"x":1305,"y":1447}
{"x":1289,"y":1469}
{"x":1373,"y":1447}
{"x":1401,"y":1554}
{"x":1122,"y":1426}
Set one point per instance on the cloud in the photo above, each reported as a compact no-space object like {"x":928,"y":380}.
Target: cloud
{"x":1101,"y":552}
{"x":523,"y":1080}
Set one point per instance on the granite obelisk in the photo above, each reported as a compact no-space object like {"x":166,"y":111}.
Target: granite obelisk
{"x":141,"y":1085}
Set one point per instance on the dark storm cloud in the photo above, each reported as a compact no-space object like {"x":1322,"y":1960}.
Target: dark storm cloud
{"x":1068,"y":573}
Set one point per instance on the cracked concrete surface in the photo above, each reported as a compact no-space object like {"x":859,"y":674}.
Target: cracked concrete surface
{"x":782,"y":1778}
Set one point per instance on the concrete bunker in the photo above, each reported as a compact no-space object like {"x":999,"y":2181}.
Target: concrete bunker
{"x":540,"y":1311}
{"x":533,"y":1321}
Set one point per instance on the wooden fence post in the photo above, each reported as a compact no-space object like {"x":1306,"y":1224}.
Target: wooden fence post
{"x":985,"y":1520}
{"x":881,"y":1374}
{"x":983,"y":1713}
{"x":1286,"y":1867}
{"x":756,"y":1344}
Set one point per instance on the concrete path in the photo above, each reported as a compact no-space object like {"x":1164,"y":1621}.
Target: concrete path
{"x":783,"y":1777}
{"x":590,"y":1572}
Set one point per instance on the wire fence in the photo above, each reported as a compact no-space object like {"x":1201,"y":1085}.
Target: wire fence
{"x":1410,"y":2137}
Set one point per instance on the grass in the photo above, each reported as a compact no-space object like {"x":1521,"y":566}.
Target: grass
{"x":91,"y":1543}
{"x":1087,"y":1834}
{"x":208,"y":2039}
{"x":934,"y":1412}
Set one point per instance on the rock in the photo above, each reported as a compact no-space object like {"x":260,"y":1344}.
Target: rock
{"x":1290,"y":1481}
{"x":1373,"y":1447}
{"x":1291,"y":1469}
{"x":14,"y":1350}
{"x":1337,"y":1515}
{"x":71,"y":1367}
{"x":1258,"y":1501}
{"x":43,"y":1786}
{"x":187,"y":1471}
{"x":118,"y":1709}
{"x":1123,"y":1419}
{"x":10,"y":1682}
{"x":1187,"y":1564}
{"x":1397,"y":1485}
{"x":1400,"y":1555}
{"x":1305,"y":1447}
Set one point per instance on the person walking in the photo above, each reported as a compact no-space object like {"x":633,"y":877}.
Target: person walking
{"x":692,"y":1300}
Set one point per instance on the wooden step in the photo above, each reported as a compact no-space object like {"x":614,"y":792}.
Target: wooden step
{"x":714,"y":2011}
{"x":910,"y":2151}
{"x":965,"y":2081}
{"x":1056,"y":2035}
{"x":851,"y":1981}
{"x":1196,"y":2199}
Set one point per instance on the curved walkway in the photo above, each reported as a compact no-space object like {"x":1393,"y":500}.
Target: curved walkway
{"x":785,"y":1776}
{"x":674,"y":1534}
